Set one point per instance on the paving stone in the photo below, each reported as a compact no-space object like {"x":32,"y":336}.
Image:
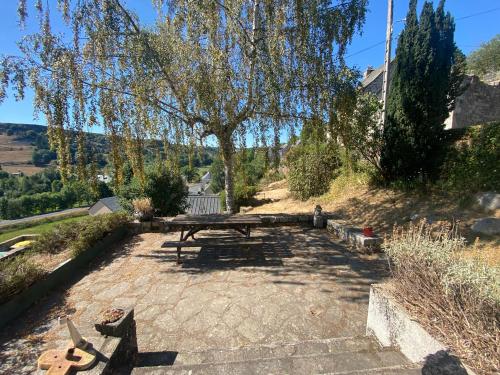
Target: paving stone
{"x":305,"y":288}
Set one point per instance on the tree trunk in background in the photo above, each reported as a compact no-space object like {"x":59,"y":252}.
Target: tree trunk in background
{"x":227,"y":154}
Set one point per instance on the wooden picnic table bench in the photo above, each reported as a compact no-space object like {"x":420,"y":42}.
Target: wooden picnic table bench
{"x":192,"y":224}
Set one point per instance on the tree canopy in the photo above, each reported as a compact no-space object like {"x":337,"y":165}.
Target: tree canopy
{"x":207,"y":67}
{"x":486,"y":59}
{"x":427,"y":75}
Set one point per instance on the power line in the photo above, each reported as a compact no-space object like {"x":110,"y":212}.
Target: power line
{"x":478,"y":14}
{"x":366,"y":49}
{"x":383,"y":41}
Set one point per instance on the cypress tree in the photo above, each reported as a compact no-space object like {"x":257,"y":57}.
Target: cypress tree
{"x":422,"y":93}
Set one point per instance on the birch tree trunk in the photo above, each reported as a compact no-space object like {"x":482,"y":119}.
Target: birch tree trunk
{"x":227,"y":155}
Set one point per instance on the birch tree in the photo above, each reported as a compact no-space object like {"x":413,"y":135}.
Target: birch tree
{"x":205,"y":67}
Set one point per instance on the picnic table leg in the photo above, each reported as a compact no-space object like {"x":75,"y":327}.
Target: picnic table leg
{"x":179,"y":248}
{"x":248,"y":231}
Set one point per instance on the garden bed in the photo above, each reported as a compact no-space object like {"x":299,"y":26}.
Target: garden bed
{"x":54,"y":258}
{"x":455,"y":299}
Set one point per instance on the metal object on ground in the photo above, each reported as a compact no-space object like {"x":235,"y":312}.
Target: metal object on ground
{"x":62,"y":362}
{"x":77,"y":356}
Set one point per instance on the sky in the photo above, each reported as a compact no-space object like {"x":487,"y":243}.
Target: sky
{"x":476,"y":23}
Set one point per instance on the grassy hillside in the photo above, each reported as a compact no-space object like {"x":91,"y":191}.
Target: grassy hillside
{"x":25,"y":148}
{"x":15,"y":155}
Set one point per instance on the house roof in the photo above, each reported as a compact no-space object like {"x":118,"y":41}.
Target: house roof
{"x":204,"y":204}
{"x":206,"y":177}
{"x":372,"y":76}
{"x":110,"y":202}
{"x":196,"y":188}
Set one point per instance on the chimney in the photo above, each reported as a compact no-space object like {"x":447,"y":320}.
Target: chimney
{"x":369,"y":70}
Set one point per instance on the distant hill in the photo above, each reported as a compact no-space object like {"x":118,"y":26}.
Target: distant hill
{"x":25,"y":148}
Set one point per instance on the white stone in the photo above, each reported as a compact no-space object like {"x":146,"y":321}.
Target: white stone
{"x":353,"y":235}
{"x":488,"y":201}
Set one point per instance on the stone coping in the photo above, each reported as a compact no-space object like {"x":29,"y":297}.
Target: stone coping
{"x":392,"y":326}
{"x":162,"y":224}
{"x":353,"y":235}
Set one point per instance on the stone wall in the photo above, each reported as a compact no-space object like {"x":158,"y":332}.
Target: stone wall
{"x":479,"y":104}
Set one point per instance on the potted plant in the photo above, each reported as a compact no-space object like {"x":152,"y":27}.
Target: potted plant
{"x":143,"y":209}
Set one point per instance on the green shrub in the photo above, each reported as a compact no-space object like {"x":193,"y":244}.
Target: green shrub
{"x":473,"y":164}
{"x":311,"y":169}
{"x":167,"y":191}
{"x":16,"y":274}
{"x":78,"y":236}
{"x":94,"y":230}
{"x":243,"y":195}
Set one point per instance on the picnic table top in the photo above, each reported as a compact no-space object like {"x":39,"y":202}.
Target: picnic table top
{"x":217,"y":219}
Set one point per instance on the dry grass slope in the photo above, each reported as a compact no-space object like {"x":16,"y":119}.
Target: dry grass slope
{"x":354,"y":200}
{"x":16,"y":155}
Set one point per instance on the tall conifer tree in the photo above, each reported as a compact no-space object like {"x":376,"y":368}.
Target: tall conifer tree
{"x":423,"y":89}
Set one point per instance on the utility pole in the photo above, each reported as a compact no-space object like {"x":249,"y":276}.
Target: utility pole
{"x":387,"y":63}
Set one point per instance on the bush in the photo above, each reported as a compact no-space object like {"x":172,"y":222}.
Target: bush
{"x":456,"y":298}
{"x":243,"y":195}
{"x":16,"y":274}
{"x":167,"y":191}
{"x":78,"y":236}
{"x":311,"y":169}
{"x":472,"y":164}
{"x":96,"y":228}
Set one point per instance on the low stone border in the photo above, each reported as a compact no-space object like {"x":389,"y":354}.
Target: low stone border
{"x":353,"y":235}
{"x":393,"y":327}
{"x":22,"y":301}
{"x":162,"y":224}
{"x":6,"y":245}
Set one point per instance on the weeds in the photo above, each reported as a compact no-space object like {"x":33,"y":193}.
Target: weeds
{"x":19,"y":272}
{"x":458,"y":299}
{"x":16,"y":274}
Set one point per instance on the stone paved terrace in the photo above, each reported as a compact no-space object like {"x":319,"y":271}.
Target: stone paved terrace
{"x":300,"y":285}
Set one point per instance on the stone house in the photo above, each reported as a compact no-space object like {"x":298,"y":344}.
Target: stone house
{"x":478,"y":104}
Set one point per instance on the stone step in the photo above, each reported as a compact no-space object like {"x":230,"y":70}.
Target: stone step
{"x":278,"y":350}
{"x":358,"y":355}
{"x":334,"y":364}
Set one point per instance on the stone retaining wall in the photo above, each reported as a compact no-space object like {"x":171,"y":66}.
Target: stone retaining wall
{"x":162,"y":224}
{"x":22,"y":301}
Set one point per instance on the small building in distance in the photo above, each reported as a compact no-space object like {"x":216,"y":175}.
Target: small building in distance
{"x":208,"y":204}
{"x":207,"y":177}
{"x":104,"y":178}
{"x":105,"y":206}
{"x":201,"y":200}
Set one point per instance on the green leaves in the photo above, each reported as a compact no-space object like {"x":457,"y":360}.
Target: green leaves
{"x":486,"y":59}
{"x":426,"y":76}
{"x":311,"y":169}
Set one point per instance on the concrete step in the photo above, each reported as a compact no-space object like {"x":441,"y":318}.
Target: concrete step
{"x":278,"y":350}
{"x":361,"y":355}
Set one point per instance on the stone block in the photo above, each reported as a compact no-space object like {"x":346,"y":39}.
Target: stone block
{"x":487,"y":225}
{"x":394,"y":327}
{"x":123,"y":355}
{"x":488,"y":201}
{"x":353,"y":235}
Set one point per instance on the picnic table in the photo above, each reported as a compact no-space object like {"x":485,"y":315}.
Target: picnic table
{"x":189,"y":225}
